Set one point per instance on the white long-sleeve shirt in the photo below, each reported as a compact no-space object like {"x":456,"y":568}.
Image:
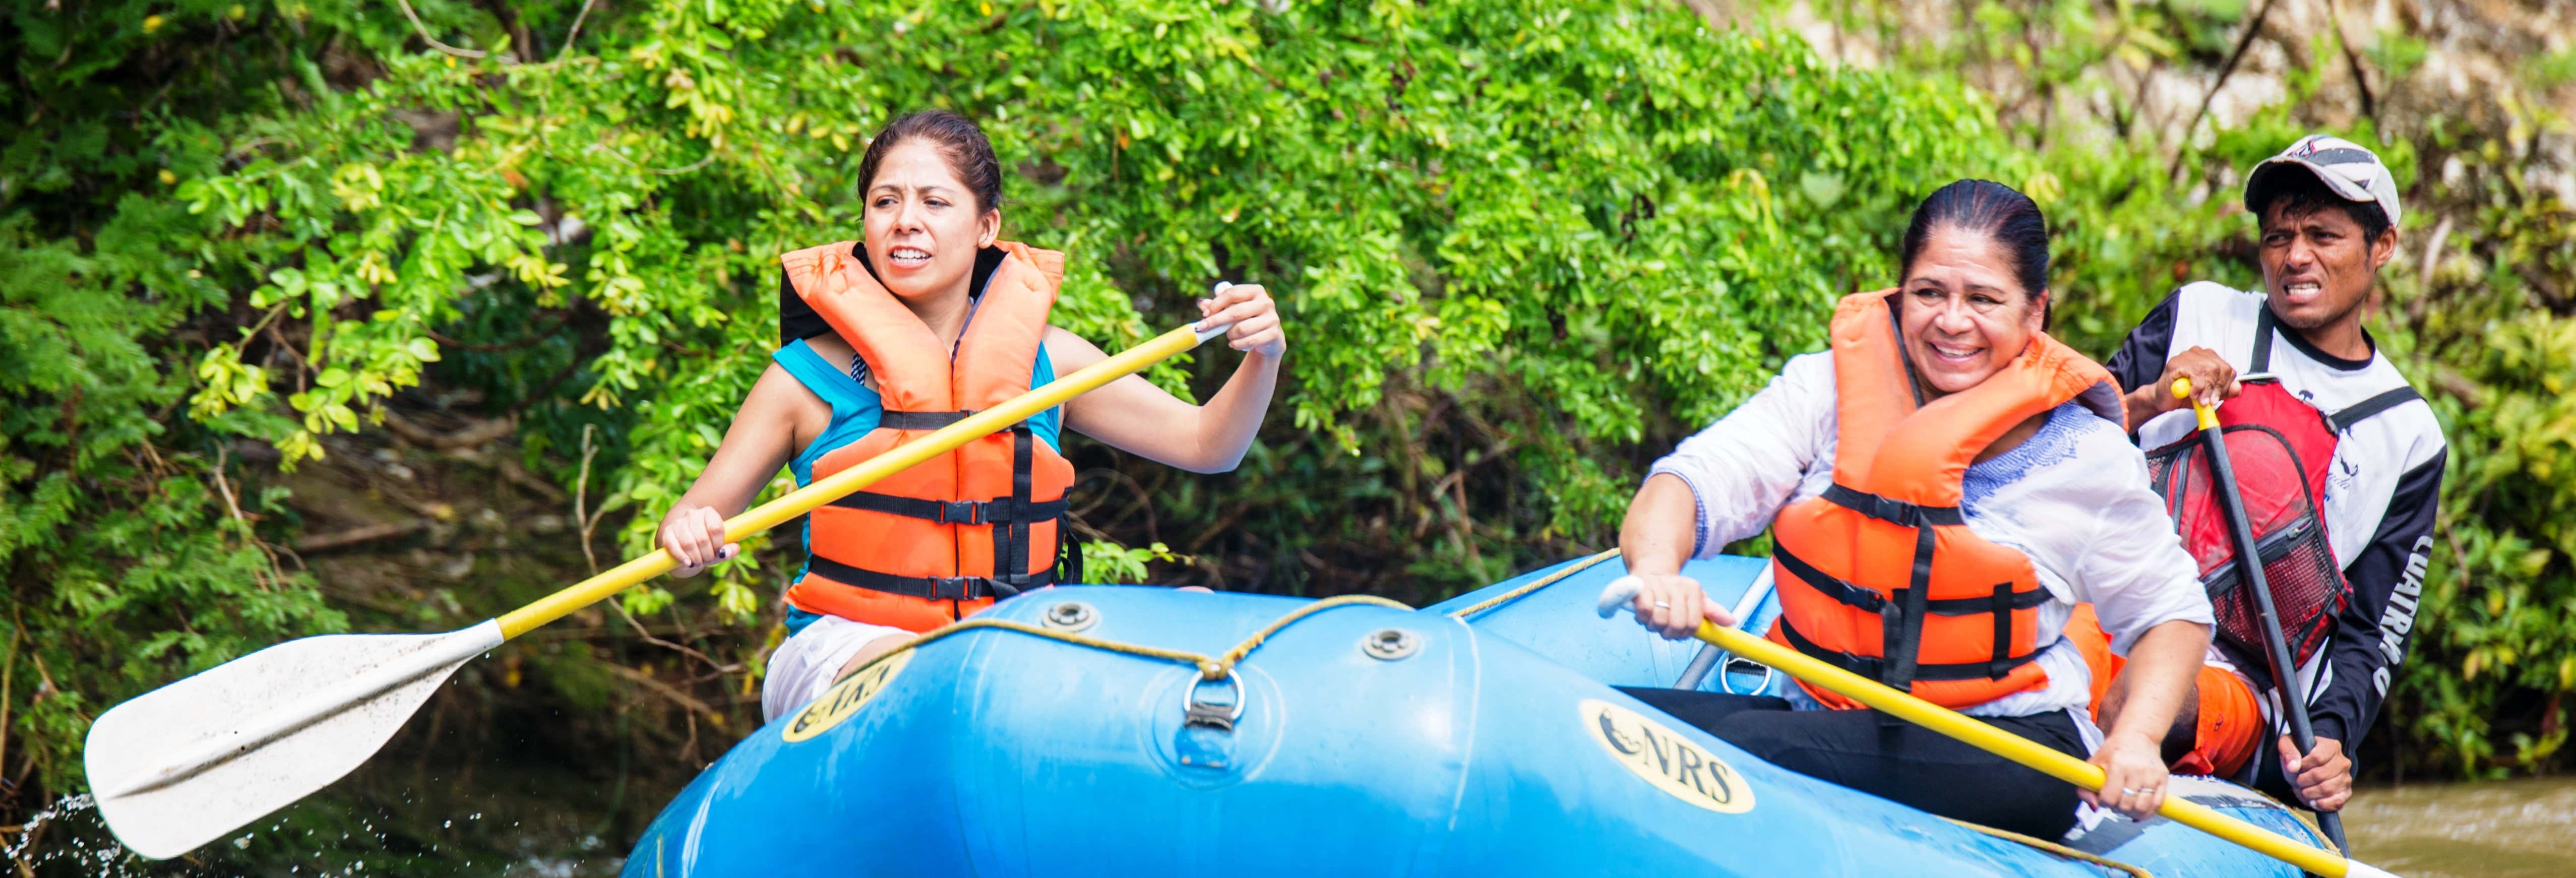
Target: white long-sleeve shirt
{"x":2381,"y":495}
{"x":2074,"y":497}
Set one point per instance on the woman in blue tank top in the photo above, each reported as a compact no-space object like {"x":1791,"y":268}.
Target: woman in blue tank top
{"x":933,"y":189}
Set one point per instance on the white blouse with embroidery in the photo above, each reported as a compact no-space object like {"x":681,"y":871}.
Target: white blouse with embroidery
{"x":2074,"y":497}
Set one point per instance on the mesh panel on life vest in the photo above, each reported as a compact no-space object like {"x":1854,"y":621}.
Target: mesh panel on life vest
{"x":2281,"y":449}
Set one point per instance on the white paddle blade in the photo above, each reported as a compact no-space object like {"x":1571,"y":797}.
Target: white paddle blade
{"x":184,"y":764}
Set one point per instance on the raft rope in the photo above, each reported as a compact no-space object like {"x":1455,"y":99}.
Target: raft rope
{"x":1210,"y":668}
{"x":1213,"y":668}
{"x":1524,"y":591}
{"x":2055,"y":848}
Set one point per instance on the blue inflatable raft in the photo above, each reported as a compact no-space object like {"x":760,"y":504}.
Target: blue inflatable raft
{"x":1073,"y":734}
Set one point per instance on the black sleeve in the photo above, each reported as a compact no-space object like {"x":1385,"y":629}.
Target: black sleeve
{"x":2370,"y":636}
{"x":795,"y":318}
{"x":2141,"y":357}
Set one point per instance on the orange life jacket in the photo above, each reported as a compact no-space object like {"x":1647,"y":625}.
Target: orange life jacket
{"x":1881,"y":575}
{"x":949,"y":536}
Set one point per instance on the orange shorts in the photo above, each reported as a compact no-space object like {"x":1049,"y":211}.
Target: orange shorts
{"x":2230,"y":727}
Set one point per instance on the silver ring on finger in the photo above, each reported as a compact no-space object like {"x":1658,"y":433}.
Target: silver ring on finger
{"x":1663,"y":605}
{"x":2126,"y":791}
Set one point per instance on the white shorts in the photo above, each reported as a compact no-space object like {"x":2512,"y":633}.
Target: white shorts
{"x":802,"y":668}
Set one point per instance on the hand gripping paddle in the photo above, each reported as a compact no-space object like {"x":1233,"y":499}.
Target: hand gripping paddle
{"x":1621,"y":594}
{"x":184,"y":764}
{"x":2240,"y":529}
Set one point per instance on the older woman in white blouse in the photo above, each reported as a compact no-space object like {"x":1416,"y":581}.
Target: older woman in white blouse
{"x":2064,"y":488}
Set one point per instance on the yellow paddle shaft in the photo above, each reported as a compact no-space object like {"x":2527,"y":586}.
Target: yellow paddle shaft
{"x":833,"y":487}
{"x":2014,"y":747}
{"x":2208,"y":415}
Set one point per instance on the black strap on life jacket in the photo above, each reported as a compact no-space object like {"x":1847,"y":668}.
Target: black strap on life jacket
{"x":1068,"y":561}
{"x":996,"y":511}
{"x":1891,"y":511}
{"x":1902,"y":613}
{"x":1011,"y":518}
{"x":941,"y":588}
{"x":1900,"y":626}
{"x":1877,"y":669}
{"x":1011,"y":538}
{"x":1868,"y":601}
{"x":895,"y":420}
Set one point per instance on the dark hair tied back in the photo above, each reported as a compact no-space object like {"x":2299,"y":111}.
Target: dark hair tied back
{"x":969,"y":154}
{"x":1994,"y":210}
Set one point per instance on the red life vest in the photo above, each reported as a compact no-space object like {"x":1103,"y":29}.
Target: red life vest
{"x":1881,"y":575}
{"x":949,"y":536}
{"x":2282,"y":450}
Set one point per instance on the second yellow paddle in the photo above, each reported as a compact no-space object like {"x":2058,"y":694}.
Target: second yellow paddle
{"x":1621,"y":592}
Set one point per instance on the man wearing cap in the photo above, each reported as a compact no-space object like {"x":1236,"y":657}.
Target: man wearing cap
{"x":2327,"y":212}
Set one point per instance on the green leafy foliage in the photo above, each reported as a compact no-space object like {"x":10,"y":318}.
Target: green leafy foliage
{"x":1524,"y":237}
{"x":1583,"y":196}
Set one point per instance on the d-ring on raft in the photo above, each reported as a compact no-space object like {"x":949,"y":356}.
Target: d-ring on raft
{"x":1493,"y":747}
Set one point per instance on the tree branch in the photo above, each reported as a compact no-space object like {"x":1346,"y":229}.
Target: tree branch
{"x":361,"y":534}
{"x":575,"y":33}
{"x":477,"y":434}
{"x":423,"y":31}
{"x":2252,"y":29}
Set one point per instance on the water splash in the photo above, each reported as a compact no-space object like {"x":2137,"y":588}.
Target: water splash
{"x":74,"y":837}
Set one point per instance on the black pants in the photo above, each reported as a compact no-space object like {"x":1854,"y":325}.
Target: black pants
{"x":1893,"y":759}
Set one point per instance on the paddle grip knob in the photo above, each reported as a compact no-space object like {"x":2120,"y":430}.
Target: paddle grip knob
{"x":2208,"y":415}
{"x":1219,"y":329}
{"x":1620,"y":594}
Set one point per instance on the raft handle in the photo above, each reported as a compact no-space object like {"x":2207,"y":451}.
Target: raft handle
{"x":1726,"y":675}
{"x":1220,"y":716}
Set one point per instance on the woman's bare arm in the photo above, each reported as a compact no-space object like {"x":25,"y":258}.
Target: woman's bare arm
{"x":1654,"y":540}
{"x":1133,"y":415}
{"x":762,"y":439}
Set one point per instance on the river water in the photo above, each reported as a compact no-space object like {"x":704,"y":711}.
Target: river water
{"x":2496,"y":829}
{"x":555,"y":817}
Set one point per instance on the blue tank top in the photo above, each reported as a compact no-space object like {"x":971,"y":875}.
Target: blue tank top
{"x":855,"y":413}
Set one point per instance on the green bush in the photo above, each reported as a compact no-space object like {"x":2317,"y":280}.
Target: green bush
{"x":1523,"y":248}
{"x":1570,"y":230}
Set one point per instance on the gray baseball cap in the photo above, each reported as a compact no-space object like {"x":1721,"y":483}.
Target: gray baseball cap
{"x":2344,"y":166}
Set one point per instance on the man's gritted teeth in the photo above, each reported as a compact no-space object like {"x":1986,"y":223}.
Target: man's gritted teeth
{"x":908,"y":257}
{"x":2302,"y":292}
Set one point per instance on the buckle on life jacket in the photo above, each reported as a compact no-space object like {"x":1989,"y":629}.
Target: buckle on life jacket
{"x":960,"y":512}
{"x":962,"y":588}
{"x":976,"y":512}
